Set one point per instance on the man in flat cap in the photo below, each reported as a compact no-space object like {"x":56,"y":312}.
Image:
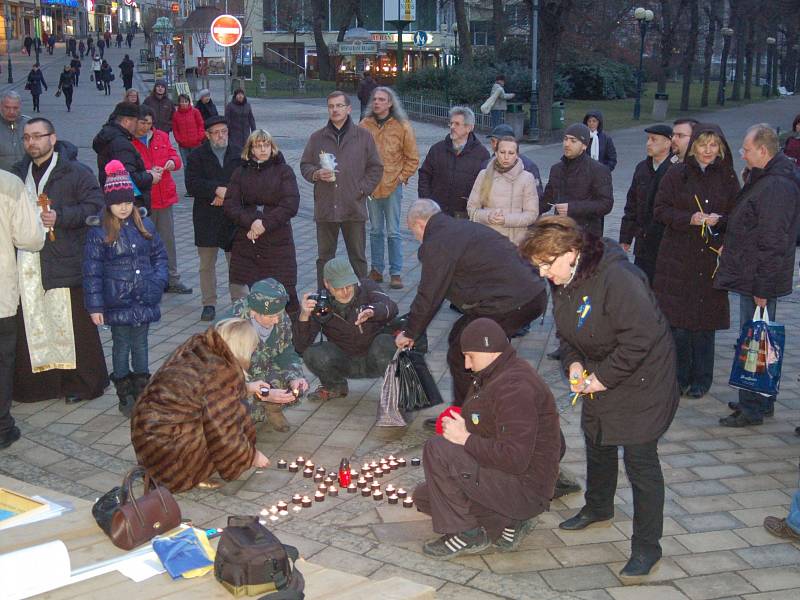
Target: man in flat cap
{"x":494,"y":468}
{"x":353,"y":322}
{"x":208,"y":172}
{"x":274,"y":360}
{"x":638,"y":224}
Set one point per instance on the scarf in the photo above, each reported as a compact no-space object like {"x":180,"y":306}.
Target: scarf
{"x":594,"y":150}
{"x":47,"y":314}
{"x":500,"y":169}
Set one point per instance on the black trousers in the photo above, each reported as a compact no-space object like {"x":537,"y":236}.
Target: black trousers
{"x":67,"y":91}
{"x":8,"y":343}
{"x":510,"y":322}
{"x":647,"y":483}
{"x":695,"y":353}
{"x":355,"y":240}
{"x":35,"y":102}
{"x":334,"y":366}
{"x":460,"y":495}
{"x":127,"y":81}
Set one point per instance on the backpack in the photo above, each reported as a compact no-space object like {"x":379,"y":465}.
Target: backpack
{"x":251,"y":560}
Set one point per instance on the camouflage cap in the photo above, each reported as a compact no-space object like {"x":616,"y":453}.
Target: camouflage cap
{"x":267,"y":297}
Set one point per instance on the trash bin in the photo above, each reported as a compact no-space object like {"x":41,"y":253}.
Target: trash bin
{"x":660,"y":105}
{"x":559,"y":115}
{"x":515,"y":118}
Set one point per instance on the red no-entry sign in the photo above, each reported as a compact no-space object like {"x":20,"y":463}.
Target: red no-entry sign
{"x":226,"y":30}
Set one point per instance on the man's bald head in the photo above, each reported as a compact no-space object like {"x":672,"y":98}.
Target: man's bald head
{"x":419,"y":213}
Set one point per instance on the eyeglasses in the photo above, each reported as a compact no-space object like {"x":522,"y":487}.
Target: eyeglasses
{"x":34,"y":136}
{"x":544,"y":266}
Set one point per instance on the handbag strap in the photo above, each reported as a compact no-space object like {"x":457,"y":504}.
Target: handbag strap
{"x":149,"y":482}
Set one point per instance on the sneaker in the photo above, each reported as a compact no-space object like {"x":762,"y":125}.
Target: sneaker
{"x":323,"y":394}
{"x":375,"y":276}
{"x":780,"y":528}
{"x":178,"y":288}
{"x":734,"y":406}
{"x":451,"y":545}
{"x":396,"y":283}
{"x":512,"y":537}
{"x":208,"y":314}
{"x":11,"y":436}
{"x":738,"y":419}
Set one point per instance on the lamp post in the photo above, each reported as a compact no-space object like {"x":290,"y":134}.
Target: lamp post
{"x":7,"y":17}
{"x":644,"y":16}
{"x":767,"y":89}
{"x":727,"y":34}
{"x":534,"y":113}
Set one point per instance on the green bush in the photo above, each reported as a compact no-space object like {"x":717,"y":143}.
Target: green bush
{"x":602,"y":80}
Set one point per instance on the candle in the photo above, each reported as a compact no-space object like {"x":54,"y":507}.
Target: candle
{"x":310,"y":465}
{"x":284,"y":513}
{"x":390,"y":489}
{"x":319,"y":496}
{"x":321,"y":470}
{"x":415,"y":462}
{"x":297,"y":499}
{"x":333,"y":492}
{"x":352,"y":488}
{"x":408,"y":503}
{"x":393,"y":464}
{"x":401,"y":493}
{"x":264,"y":512}
{"x":273,"y":518}
{"x":297,"y":509}
{"x":373,"y":465}
{"x":281,"y":505}
{"x":369,"y":476}
{"x":364,"y":467}
{"x":391,"y":457}
{"x":273,"y":510}
{"x":362,"y":481}
{"x":377,"y":495}
{"x":378,"y":472}
{"x":366,"y":491}
{"x":329,"y":480}
{"x":301,"y":461}
{"x":317,"y":478}
{"x":308,"y":473}
{"x":322,"y":488}
{"x":353,"y":473}
{"x":306,"y":502}
{"x":383,"y":461}
{"x":281,"y":464}
{"x":401,"y":462}
{"x":293,"y":468}
{"x":375,"y":485}
{"x":392,"y":498}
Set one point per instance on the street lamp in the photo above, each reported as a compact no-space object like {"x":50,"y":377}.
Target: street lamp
{"x":644,"y":16}
{"x":767,"y":89}
{"x":7,"y":18}
{"x":727,"y":34}
{"x":534,"y":113}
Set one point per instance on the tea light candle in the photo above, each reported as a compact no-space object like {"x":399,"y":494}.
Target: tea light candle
{"x":369,"y":477}
{"x":273,"y":518}
{"x":322,"y":488}
{"x":362,"y":481}
{"x":383,"y":461}
{"x":333,"y":492}
{"x":308,"y":473}
{"x":364,"y":467}
{"x":297,"y":499}
{"x":283,"y":513}
{"x":391,"y":457}
{"x":377,"y":495}
{"x":392,"y":498}
{"x":264,"y":513}
{"x":401,"y":462}
{"x":317,"y":478}
{"x":353,"y":473}
{"x":321,"y":470}
{"x":328,"y":480}
{"x":401,"y":493}
{"x":310,"y":465}
{"x":373,"y":465}
{"x":375,"y":485}
{"x":281,"y":505}
{"x":390,"y":489}
{"x":408,"y":503}
{"x":352,"y":488}
{"x":293,"y":468}
{"x":393,"y":464}
{"x":319,"y":496}
{"x":297,"y":509}
{"x":306,"y":502}
{"x":281,"y":464}
{"x":378,"y":472}
{"x":300,"y":461}
{"x":415,"y":462}
{"x":365,"y":491}
{"x":273,"y":510}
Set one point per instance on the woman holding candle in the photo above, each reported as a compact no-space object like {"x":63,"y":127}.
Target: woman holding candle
{"x":618,"y":353}
{"x":693,"y":201}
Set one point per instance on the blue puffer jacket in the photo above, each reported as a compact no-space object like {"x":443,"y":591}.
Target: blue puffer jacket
{"x":124,"y":280}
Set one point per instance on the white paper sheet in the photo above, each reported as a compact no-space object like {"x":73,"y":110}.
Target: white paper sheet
{"x":53,"y":510}
{"x":22,"y":575}
{"x":142,"y":567}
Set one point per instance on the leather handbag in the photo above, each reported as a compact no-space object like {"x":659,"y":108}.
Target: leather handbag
{"x":138,"y":520}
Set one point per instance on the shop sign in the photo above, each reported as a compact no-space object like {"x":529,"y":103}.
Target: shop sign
{"x":69,"y":3}
{"x":408,"y":37}
{"x":358,"y":48}
{"x":400,"y":10}
{"x":226,"y":30}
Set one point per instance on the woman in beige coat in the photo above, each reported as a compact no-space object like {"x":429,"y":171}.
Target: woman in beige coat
{"x":504,"y":196}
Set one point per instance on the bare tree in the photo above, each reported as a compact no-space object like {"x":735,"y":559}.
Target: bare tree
{"x":713,"y":16}
{"x":320,"y":16}
{"x":353,"y":9}
{"x":671,"y":11}
{"x":689,"y":54}
{"x":464,"y":35}
{"x":739,"y":10}
{"x":748,"y":58}
{"x":292,"y":19}
{"x":498,"y":24}
{"x":553,"y":16}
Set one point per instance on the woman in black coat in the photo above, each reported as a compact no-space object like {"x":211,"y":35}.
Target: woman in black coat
{"x":261,"y":199}
{"x":35,"y":84}
{"x":106,"y":76}
{"x":693,"y":202}
{"x":240,"y":118}
{"x":617,"y":350}
{"x":65,"y":83}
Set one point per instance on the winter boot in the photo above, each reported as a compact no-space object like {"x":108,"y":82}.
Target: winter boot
{"x":125,"y":393}
{"x":139,"y":383}
{"x":275,"y":416}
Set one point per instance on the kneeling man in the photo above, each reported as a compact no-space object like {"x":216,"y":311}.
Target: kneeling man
{"x":353,"y":321}
{"x":494,"y":469}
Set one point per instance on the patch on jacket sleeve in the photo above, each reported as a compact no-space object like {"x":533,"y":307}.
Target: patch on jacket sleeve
{"x":475,"y":418}
{"x":584,"y":310}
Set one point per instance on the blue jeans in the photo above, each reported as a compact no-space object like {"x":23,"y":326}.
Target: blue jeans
{"x":129,"y":342}
{"x":793,"y":518}
{"x":497,"y":117}
{"x":753,"y":406}
{"x":384,"y":216}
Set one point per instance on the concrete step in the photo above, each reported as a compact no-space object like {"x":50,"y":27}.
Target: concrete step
{"x":323,"y":583}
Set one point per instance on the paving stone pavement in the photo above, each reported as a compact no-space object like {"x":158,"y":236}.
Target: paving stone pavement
{"x":721,"y":483}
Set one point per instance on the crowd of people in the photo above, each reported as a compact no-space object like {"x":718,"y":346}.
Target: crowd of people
{"x":634,"y":335}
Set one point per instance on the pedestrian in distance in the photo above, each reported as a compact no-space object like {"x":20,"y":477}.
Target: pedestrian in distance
{"x":101,"y":46}
{"x":162,"y":105}
{"x":618,"y":353}
{"x":97,"y":64}
{"x":187,"y":126}
{"x":693,"y":201}
{"x":261,"y":199}
{"x":65,"y":85}
{"x":119,"y":39}
{"x":126,"y":71}
{"x":760,"y":244}
{"x":124,"y":276}
{"x":601,"y":147}
{"x":239,"y":114}
{"x":34,"y":85}
{"x":11,"y":126}
{"x":205,"y":105}
{"x":82,"y":48}
{"x":394,"y":137}
{"x":343,"y":163}
{"x":365,"y":88}
{"x":107,"y":76}
{"x":27,"y":43}
{"x":75,"y":65}
{"x":90,"y":45}
{"x":129,"y":39}
{"x":791,"y":147}
{"x":72,"y":46}
{"x":497,"y":103}
{"x":51,"y":44}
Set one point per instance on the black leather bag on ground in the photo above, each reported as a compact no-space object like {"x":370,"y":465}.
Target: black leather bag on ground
{"x":251,"y":561}
{"x":418,"y":390}
{"x":105,"y":506}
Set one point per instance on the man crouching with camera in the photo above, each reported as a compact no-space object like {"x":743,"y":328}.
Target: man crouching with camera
{"x":351,"y":313}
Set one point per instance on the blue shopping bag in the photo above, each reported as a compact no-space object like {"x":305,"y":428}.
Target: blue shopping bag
{"x":759,"y":356}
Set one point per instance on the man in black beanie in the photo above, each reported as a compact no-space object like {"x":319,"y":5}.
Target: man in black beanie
{"x":494,"y":468}
{"x":579,"y":187}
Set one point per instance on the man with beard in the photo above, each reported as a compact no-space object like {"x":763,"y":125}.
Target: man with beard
{"x":162,"y":106}
{"x":637,"y":222}
{"x":59,"y":353}
{"x":681,"y":134}
{"x":208,"y":172}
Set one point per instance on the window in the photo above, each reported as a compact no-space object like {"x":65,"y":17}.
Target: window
{"x":287,"y":15}
{"x":482,"y":33}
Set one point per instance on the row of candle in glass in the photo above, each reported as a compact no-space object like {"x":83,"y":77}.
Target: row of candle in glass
{"x":378,"y":468}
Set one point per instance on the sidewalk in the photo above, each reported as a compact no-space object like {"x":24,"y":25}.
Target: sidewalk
{"x":720,"y":482}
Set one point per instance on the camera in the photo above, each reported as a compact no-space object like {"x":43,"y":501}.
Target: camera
{"x":323,"y":306}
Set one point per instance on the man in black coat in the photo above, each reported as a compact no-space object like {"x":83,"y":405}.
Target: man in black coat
{"x":126,"y":70}
{"x":757,"y":261}
{"x":579,"y":187}
{"x":51,"y":167}
{"x":637,"y":222}
{"x":115,"y":142}
{"x":208,"y":172}
{"x":452,"y":165}
{"x":479,"y":271}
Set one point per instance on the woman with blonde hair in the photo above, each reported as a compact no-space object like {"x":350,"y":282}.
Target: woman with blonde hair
{"x":261,"y":199}
{"x":504,"y":195}
{"x":190,"y":421}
